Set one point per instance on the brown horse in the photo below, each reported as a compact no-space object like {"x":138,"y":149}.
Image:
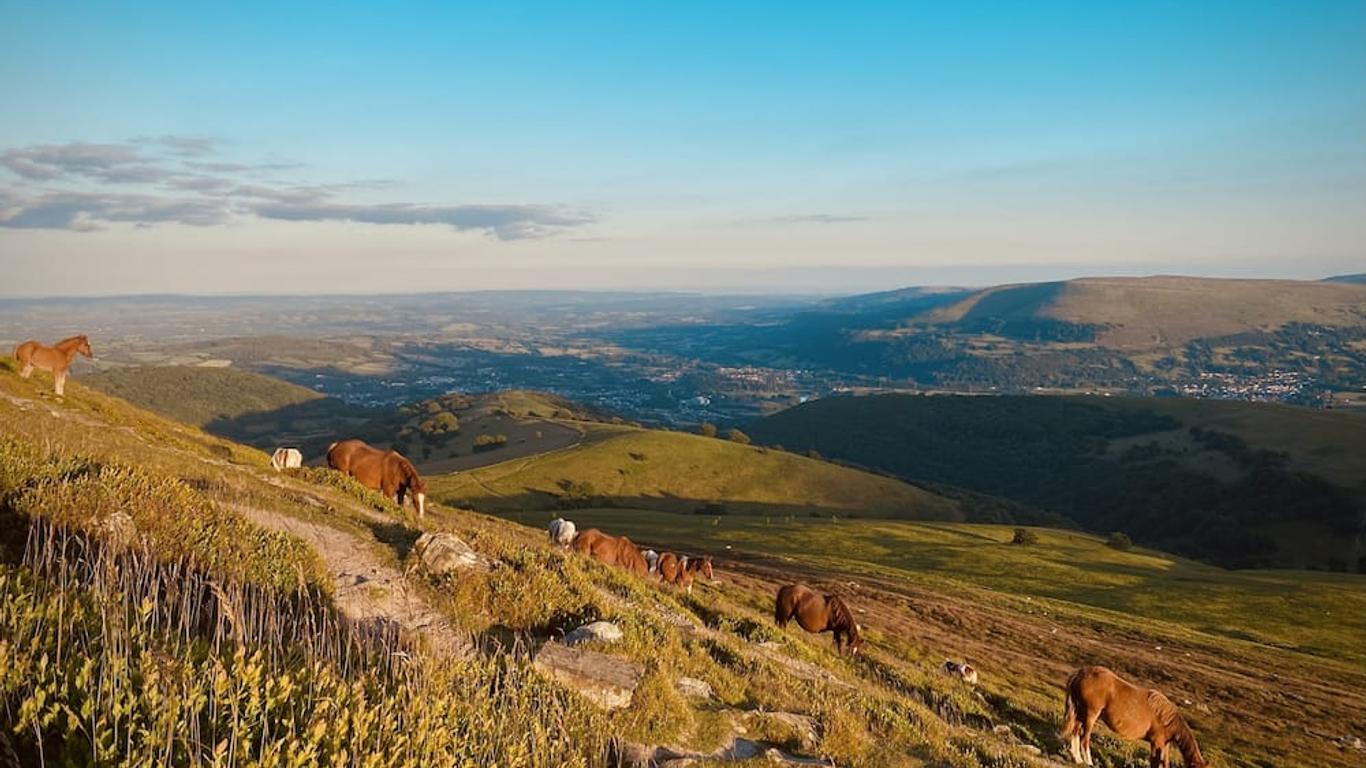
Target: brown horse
{"x":56,"y":358}
{"x":1130,"y":711}
{"x":680,"y":570}
{"x":385,"y":471}
{"x":611,"y":550}
{"x":818,"y":613}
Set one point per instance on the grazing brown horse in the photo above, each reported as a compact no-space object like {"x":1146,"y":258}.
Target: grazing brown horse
{"x":818,"y":613}
{"x":385,"y":471}
{"x":56,"y":358}
{"x":611,"y":550}
{"x":1130,"y":711}
{"x":680,"y":570}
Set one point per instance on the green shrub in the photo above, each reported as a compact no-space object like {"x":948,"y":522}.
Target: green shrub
{"x":489,"y":442}
{"x":1024,"y":536}
{"x":1120,"y":541}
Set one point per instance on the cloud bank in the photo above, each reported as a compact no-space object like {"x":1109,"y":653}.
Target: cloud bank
{"x":148,"y":181}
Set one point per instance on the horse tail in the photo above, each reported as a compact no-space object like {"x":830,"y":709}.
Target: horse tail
{"x":1071,"y":721}
{"x":784,"y":606}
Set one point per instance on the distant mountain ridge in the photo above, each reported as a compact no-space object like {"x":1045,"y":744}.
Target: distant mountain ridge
{"x":1161,"y":310}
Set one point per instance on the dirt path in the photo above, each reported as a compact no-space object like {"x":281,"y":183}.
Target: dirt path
{"x":365,"y":587}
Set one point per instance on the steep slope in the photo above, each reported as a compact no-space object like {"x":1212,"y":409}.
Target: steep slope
{"x":1242,"y":484}
{"x":304,"y":591}
{"x":678,"y":472}
{"x":301,"y":622}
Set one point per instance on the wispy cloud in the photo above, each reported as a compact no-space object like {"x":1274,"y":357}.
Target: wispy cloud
{"x":182,"y":179}
{"x":816,"y":218}
{"x":506,"y":222}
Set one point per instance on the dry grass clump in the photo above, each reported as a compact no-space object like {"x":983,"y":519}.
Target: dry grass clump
{"x":173,"y":519}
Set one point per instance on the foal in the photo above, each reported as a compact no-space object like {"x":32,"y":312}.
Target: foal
{"x":680,"y":571}
{"x":57,"y":359}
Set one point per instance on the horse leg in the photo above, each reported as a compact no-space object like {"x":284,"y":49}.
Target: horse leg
{"x":26,"y":371}
{"x":59,"y":384}
{"x":1088,"y":725}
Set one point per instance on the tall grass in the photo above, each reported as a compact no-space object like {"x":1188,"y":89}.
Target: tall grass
{"x":121,"y":658}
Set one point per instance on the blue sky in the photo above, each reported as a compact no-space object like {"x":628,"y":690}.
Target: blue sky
{"x":725,"y":146}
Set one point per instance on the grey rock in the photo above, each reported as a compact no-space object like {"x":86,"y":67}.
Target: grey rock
{"x":600,"y":631}
{"x":604,"y":680}
{"x":445,"y":553}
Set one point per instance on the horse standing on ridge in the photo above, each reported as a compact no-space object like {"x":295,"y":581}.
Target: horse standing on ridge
{"x":818,"y":613}
{"x":385,"y":471}
{"x":57,"y":358}
{"x":1132,"y":712}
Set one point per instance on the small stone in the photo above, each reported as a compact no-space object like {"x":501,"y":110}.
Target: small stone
{"x":694,"y":688}
{"x":600,"y":631}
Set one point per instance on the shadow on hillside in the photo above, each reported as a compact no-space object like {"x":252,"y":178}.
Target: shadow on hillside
{"x":555,"y":504}
{"x":309,"y":426}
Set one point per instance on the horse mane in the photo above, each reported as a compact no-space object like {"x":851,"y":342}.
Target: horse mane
{"x":840,"y":617}
{"x":1166,"y":714}
{"x":410,"y":475}
{"x":70,"y":340}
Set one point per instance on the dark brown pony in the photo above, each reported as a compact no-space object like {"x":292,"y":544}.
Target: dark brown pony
{"x":818,"y":613}
{"x":681,"y":570}
{"x":611,"y":550}
{"x":1132,"y":712}
{"x":385,"y":471}
{"x":56,"y":358}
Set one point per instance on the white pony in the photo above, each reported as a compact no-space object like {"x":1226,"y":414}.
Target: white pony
{"x":651,"y":560}
{"x":562,"y":532}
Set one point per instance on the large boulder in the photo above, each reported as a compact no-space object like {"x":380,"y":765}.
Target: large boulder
{"x":601,"y":631}
{"x":444,"y":553}
{"x":604,"y":680}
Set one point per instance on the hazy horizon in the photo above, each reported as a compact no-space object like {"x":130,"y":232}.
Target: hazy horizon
{"x":816,"y":284}
{"x":162,"y":148}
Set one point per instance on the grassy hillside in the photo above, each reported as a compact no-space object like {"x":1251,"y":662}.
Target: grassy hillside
{"x":1241,"y":484}
{"x":1163,"y":311}
{"x":1322,"y":615}
{"x":199,"y":395}
{"x":241,"y":405}
{"x":682,"y":472}
{"x":244,"y":616}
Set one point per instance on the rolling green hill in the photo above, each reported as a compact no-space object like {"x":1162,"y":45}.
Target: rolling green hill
{"x":1160,"y":311}
{"x":680,"y":472}
{"x":200,"y":395}
{"x":248,"y":407}
{"x":1241,"y":484}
